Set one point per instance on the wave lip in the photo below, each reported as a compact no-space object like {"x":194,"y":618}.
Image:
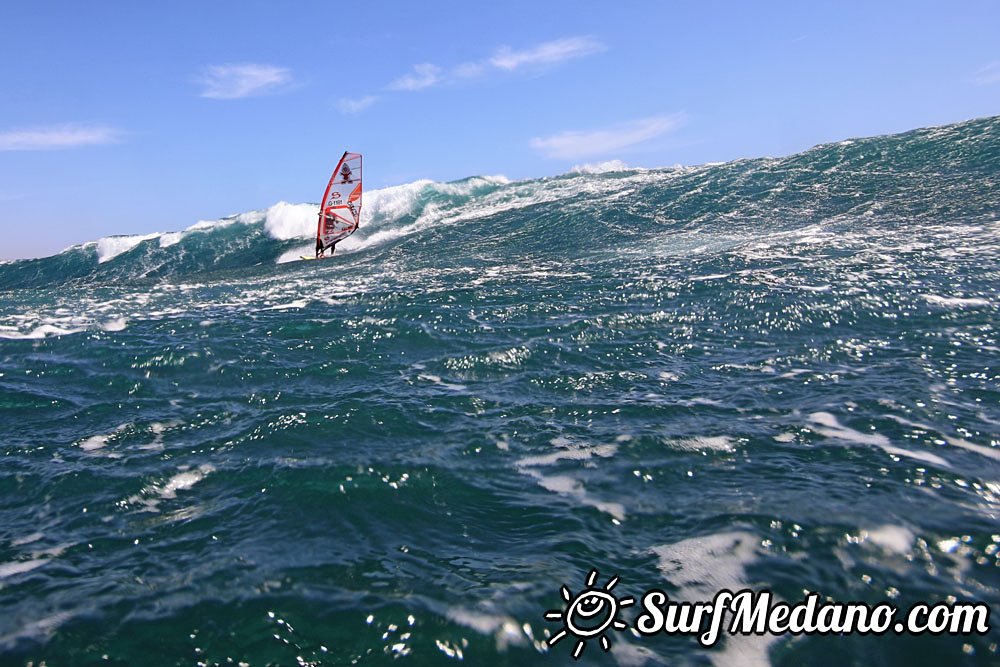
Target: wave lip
{"x":110,"y":247}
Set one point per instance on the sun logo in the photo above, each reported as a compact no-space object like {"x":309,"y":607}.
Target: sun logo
{"x":592,"y":611}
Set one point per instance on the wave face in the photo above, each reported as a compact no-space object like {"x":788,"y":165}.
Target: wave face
{"x":770,"y":373}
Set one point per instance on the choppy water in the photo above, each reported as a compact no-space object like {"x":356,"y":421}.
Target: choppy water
{"x":774,"y":373}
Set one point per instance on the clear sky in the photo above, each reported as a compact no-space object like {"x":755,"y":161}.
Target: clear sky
{"x":137,"y":117}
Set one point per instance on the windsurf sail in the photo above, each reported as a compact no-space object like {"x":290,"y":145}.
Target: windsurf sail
{"x":340,"y":212}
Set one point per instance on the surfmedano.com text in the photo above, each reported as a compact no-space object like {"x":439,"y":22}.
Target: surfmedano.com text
{"x":758,"y":613}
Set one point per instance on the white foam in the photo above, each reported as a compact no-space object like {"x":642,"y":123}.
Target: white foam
{"x":296,"y":254}
{"x":895,"y":539}
{"x":578,"y":454}
{"x":950,"y":545}
{"x":718,"y":443}
{"x":569,"y":486}
{"x":600,"y":167}
{"x":183,"y":481}
{"x":438,"y":381}
{"x":27,"y":539}
{"x":171,"y":238}
{"x":485,"y":624}
{"x":157,"y":429}
{"x":395,"y":201}
{"x":43,"y":627}
{"x":285,"y":221}
{"x":702,"y":566}
{"x":574,"y":488}
{"x":298,"y":303}
{"x":954,"y":302}
{"x":111,"y":246}
{"x":94,"y":443}
{"x":116,"y":324}
{"x":150,"y":497}
{"x":205,"y":225}
{"x":983,"y":450}
{"x":831,"y":428}
{"x":468,"y":185}
{"x":505,"y":630}
{"x":21,"y":566}
{"x":834,"y":429}
{"x":42,"y":331}
{"x":430,"y":216}
{"x":705,"y":565}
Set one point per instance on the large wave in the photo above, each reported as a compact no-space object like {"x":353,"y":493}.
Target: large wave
{"x":925,"y":174}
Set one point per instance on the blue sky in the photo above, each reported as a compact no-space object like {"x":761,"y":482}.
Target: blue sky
{"x":139,"y":117}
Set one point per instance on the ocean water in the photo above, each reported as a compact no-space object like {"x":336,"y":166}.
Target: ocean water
{"x":773,"y":374}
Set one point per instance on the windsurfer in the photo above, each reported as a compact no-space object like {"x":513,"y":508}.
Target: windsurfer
{"x":320,"y":249}
{"x":337,"y":219}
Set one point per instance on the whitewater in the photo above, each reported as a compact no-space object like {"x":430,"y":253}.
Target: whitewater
{"x":771,"y":374}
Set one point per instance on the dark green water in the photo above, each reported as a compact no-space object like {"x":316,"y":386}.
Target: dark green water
{"x":776,"y":374}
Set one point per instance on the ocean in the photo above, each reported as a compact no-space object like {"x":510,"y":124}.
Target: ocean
{"x":776,"y":374}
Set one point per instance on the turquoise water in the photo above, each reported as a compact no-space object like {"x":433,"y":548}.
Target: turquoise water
{"x":773,"y":373}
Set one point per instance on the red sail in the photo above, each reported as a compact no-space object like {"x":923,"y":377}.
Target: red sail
{"x":340,"y":211}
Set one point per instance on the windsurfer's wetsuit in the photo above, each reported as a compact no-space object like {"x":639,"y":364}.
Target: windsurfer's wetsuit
{"x":320,"y":249}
